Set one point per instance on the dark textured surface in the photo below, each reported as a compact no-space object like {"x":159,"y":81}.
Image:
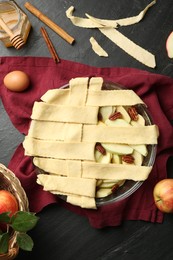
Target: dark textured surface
{"x":61,"y":234}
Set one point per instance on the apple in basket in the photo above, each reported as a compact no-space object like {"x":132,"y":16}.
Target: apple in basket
{"x":8,"y":202}
{"x":163,"y":195}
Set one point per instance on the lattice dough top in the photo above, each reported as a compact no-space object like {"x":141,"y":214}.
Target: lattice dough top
{"x":66,"y":129}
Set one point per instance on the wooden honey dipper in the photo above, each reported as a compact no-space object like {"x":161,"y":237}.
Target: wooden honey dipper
{"x":16,"y":40}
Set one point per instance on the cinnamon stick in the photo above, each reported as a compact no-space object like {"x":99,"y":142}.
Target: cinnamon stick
{"x":49,"y":45}
{"x":49,"y":23}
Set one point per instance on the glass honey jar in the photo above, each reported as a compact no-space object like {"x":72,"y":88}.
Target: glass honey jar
{"x":16,"y":20}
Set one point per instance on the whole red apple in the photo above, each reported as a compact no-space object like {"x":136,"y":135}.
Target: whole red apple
{"x":169,"y":45}
{"x":163,"y":195}
{"x":8,"y":202}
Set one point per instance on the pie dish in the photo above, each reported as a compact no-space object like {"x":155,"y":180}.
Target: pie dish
{"x":64,"y":133}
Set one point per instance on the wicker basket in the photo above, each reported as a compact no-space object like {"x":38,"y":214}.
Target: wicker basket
{"x":8,"y":181}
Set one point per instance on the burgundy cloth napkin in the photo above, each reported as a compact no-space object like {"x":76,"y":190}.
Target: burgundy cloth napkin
{"x":155,"y":90}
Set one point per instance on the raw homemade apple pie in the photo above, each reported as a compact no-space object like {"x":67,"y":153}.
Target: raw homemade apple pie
{"x":88,"y":141}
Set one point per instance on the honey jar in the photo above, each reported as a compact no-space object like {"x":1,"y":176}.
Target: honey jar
{"x":16,"y":20}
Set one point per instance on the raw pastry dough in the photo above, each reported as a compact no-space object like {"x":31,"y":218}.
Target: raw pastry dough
{"x":62,"y":139}
{"x":78,"y":91}
{"x":82,"y":201}
{"x":97,"y":48}
{"x":108,"y":28}
{"x":56,"y":96}
{"x":81,"y":22}
{"x":121,"y":22}
{"x":96,"y":83}
{"x":59,"y":113}
{"x":56,"y":131}
{"x":61,"y":150}
{"x":93,"y":22}
{"x":120,"y":135}
{"x":93,"y":133}
{"x":92,"y":170}
{"x":130,"y":47}
{"x":68,"y":185}
{"x":115,"y":171}
{"x":112,"y":98}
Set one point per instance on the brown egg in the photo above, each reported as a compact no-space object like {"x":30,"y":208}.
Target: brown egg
{"x":16,"y":81}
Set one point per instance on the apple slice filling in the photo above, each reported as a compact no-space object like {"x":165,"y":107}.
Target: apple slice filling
{"x":118,"y":153}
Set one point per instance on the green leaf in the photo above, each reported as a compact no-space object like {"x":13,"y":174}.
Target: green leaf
{"x":24,"y":221}
{"x":24,"y":241}
{"x":4,"y":217}
{"x":4,"y":241}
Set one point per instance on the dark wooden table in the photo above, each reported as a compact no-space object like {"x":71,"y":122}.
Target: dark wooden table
{"x":61,"y":234}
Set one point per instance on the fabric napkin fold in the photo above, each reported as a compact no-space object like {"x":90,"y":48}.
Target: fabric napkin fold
{"x":155,"y":90}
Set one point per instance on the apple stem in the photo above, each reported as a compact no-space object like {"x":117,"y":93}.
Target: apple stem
{"x":8,"y":226}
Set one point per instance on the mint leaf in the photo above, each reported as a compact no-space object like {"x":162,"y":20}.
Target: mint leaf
{"x":4,"y":241}
{"x":24,"y":241}
{"x":23,"y":221}
{"x":4,"y":217}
